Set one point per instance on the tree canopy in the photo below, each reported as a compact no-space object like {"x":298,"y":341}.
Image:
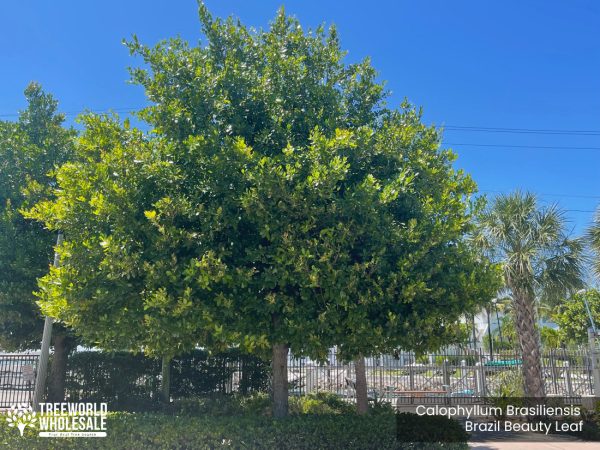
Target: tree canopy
{"x":276,"y":202}
{"x":573,"y":319}
{"x":30,"y":149}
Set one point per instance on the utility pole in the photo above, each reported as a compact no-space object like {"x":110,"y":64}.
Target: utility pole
{"x":595,"y":357}
{"x":487,"y":310}
{"x":495,"y":302}
{"x":42,"y":369}
{"x":473,"y":330}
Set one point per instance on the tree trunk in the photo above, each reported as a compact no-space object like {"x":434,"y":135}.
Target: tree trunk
{"x":165,"y":386}
{"x":280,"y":380}
{"x":530,"y":345}
{"x":362,"y":401}
{"x":58,"y":368}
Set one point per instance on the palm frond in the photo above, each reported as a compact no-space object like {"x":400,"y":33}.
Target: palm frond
{"x":593,"y":236}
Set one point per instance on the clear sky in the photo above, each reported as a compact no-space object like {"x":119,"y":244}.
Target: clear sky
{"x":531,"y":65}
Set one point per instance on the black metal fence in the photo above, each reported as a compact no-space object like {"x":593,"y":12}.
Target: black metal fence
{"x":127,"y":381}
{"x":17,"y":378}
{"x":132,"y":382}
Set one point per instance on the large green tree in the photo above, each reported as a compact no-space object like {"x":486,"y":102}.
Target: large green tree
{"x":136,"y":261}
{"x":572,"y":316}
{"x":30,"y":150}
{"x":276,"y":205}
{"x":541,"y":263}
{"x":334,"y":184}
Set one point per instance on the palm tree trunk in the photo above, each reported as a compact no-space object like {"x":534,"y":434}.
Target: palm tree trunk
{"x":362,"y":400}
{"x":530,"y":345}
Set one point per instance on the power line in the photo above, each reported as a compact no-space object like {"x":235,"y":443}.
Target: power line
{"x":551,"y":147}
{"x":521,"y":130}
{"x":557,"y":195}
{"x":480,"y":129}
{"x":448,"y":127}
{"x":95,"y":111}
{"x":541,"y":194}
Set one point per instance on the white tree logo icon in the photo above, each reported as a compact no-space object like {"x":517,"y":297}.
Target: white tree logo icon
{"x":21,"y":416}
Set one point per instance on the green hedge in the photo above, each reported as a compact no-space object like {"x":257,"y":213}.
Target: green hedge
{"x":130,"y":382}
{"x":158,"y":431}
{"x":414,"y":428}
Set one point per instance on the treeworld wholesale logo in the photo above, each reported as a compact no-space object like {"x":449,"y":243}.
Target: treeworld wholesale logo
{"x":61,"y":419}
{"x":21,"y":416}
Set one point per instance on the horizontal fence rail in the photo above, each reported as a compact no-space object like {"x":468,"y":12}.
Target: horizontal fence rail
{"x":472,"y":374}
{"x":17,"y":378}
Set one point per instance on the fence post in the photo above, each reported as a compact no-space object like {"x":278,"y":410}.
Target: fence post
{"x":380,"y":366}
{"x":310,"y":385}
{"x":595,"y":357}
{"x":553,"y":370}
{"x":446,"y":373}
{"x":569,"y":386}
{"x":478,"y":380}
{"x":411,"y":376}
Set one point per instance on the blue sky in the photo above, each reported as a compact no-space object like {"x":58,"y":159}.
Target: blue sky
{"x":512,"y":64}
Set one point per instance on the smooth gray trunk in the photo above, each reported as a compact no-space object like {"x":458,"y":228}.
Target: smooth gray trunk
{"x":362,"y":400}
{"x":165,"y":387}
{"x":58,"y":368}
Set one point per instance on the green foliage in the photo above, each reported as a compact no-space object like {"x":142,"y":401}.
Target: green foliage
{"x":132,"y":382}
{"x":531,"y":242}
{"x":507,"y":389}
{"x":591,"y":425}
{"x":128,"y":277}
{"x":276,"y":201}
{"x":320,"y":403}
{"x":572,"y":318}
{"x":30,"y":150}
{"x":255,"y":404}
{"x":550,"y":337}
{"x":157,"y":431}
{"x":456,"y":360}
{"x":508,"y":329}
{"x":593,"y":238}
{"x":259,"y":404}
{"x":508,"y":384}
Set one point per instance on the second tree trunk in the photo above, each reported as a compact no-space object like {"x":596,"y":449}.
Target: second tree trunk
{"x":280,"y":380}
{"x":58,"y":368}
{"x":362,"y":400}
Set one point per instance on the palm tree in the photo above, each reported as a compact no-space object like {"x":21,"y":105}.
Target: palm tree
{"x":540,"y":263}
{"x":593,"y":235}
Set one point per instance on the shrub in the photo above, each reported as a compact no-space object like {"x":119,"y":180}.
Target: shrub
{"x":127,"y":431}
{"x":456,"y":360}
{"x":320,"y":403}
{"x":508,"y":389}
{"x":438,"y":429}
{"x":259,"y":404}
{"x":508,"y":383}
{"x":591,"y":423}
